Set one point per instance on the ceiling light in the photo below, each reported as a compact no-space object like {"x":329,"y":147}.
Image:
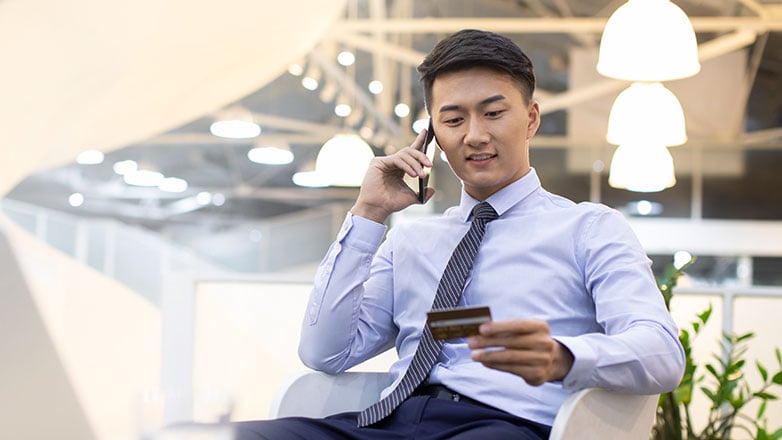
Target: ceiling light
{"x":645,"y":207}
{"x":420,"y":125}
{"x":143,"y":178}
{"x":296,"y":69}
{"x":218,"y":199}
{"x":90,"y":157}
{"x":346,"y":58}
{"x":124,"y":167}
{"x":311,"y":78}
{"x":642,"y":167}
{"x":648,"y":112}
{"x":203,"y":198}
{"x":681,"y":258}
{"x":402,"y":110}
{"x":235,"y":123}
{"x":342,"y":110}
{"x":343,"y":160}
{"x":76,"y":199}
{"x":309,"y":83}
{"x":173,"y":185}
{"x":235,"y":129}
{"x":310,"y":179}
{"x":648,"y":40}
{"x":270,"y":155}
{"x":375,"y":87}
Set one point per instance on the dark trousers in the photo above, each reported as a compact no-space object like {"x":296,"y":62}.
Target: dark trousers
{"x":418,"y":417}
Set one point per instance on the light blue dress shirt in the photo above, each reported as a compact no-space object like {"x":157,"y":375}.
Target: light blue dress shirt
{"x":577,"y":266}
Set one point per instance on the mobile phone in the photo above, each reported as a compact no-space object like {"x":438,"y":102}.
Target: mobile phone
{"x":423,"y":182}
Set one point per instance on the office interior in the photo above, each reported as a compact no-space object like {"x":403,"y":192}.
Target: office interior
{"x":118,"y":288}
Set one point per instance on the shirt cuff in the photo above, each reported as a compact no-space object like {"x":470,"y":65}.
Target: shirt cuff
{"x":360,"y":233}
{"x":584,"y":362}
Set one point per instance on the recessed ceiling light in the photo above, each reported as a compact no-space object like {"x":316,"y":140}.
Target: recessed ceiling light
{"x":235,"y":129}
{"x":270,"y":155}
{"x":76,"y":199}
{"x":90,"y":157}
{"x":375,"y":87}
{"x":346,"y":58}
{"x":125,"y":166}
{"x":173,"y":185}
{"x":402,"y":110}
{"x":311,"y":179}
{"x":143,"y":178}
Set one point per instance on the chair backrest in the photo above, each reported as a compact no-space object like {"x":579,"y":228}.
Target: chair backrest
{"x":37,"y":400}
{"x":585,"y":415}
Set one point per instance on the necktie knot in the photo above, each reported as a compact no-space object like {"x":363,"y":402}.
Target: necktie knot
{"x":485,"y":212}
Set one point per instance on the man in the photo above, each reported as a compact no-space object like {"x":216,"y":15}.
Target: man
{"x":573,"y":300}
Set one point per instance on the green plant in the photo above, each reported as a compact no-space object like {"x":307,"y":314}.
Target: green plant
{"x":723,"y":383}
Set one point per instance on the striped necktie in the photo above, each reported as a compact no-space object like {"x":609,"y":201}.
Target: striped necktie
{"x":448,"y":293}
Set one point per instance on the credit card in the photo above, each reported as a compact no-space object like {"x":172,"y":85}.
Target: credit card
{"x":459,"y":322}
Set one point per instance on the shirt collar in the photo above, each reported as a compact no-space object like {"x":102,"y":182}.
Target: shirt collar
{"x":503,"y":199}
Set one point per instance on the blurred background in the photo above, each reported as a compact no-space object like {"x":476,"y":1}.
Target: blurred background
{"x":159,"y":146}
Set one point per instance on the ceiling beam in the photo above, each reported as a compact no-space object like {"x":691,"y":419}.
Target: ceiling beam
{"x":348,"y":85}
{"x":567,"y":25}
{"x":404,"y":55}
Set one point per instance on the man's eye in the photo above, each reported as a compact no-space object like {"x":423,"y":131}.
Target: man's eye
{"x":494,"y":114}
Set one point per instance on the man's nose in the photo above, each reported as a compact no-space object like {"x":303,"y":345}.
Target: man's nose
{"x":477,"y":133}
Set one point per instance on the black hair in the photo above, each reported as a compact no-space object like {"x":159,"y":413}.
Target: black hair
{"x":470,"y":48}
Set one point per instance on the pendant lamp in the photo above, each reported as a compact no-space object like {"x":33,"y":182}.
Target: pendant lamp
{"x":648,"y":40}
{"x":647,"y":112}
{"x":343,"y":160}
{"x":642,"y":167}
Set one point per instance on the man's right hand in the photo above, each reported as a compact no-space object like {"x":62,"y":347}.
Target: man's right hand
{"x":384,"y":190}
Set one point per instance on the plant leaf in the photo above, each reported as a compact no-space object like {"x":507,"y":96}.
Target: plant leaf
{"x":712,"y":370}
{"x":761,"y":410}
{"x":763,"y":372}
{"x":709,"y":394}
{"x":777,"y":378}
{"x":704,"y":316}
{"x":765,"y":396}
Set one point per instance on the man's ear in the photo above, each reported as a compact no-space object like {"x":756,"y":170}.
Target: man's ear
{"x":533,"y":119}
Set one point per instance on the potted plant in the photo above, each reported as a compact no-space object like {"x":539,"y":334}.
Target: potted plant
{"x":722,"y":381}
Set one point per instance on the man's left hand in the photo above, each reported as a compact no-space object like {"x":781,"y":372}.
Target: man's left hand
{"x":523,"y":347}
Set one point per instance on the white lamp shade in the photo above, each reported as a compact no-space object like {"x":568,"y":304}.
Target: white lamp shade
{"x":235,"y":123}
{"x":642,"y":168}
{"x":646,"y":112}
{"x":343,"y":160}
{"x":648,"y":40}
{"x":271,"y":155}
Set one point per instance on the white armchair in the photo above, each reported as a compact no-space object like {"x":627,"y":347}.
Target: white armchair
{"x":587,"y":414}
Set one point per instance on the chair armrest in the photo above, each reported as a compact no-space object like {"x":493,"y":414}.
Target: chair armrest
{"x":589,"y":414}
{"x":316,"y":394}
{"x":595,"y":413}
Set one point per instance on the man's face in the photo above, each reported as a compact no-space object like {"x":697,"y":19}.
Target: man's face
{"x":483,"y":125}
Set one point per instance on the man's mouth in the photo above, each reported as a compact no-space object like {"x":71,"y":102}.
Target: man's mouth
{"x":480,"y":157}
